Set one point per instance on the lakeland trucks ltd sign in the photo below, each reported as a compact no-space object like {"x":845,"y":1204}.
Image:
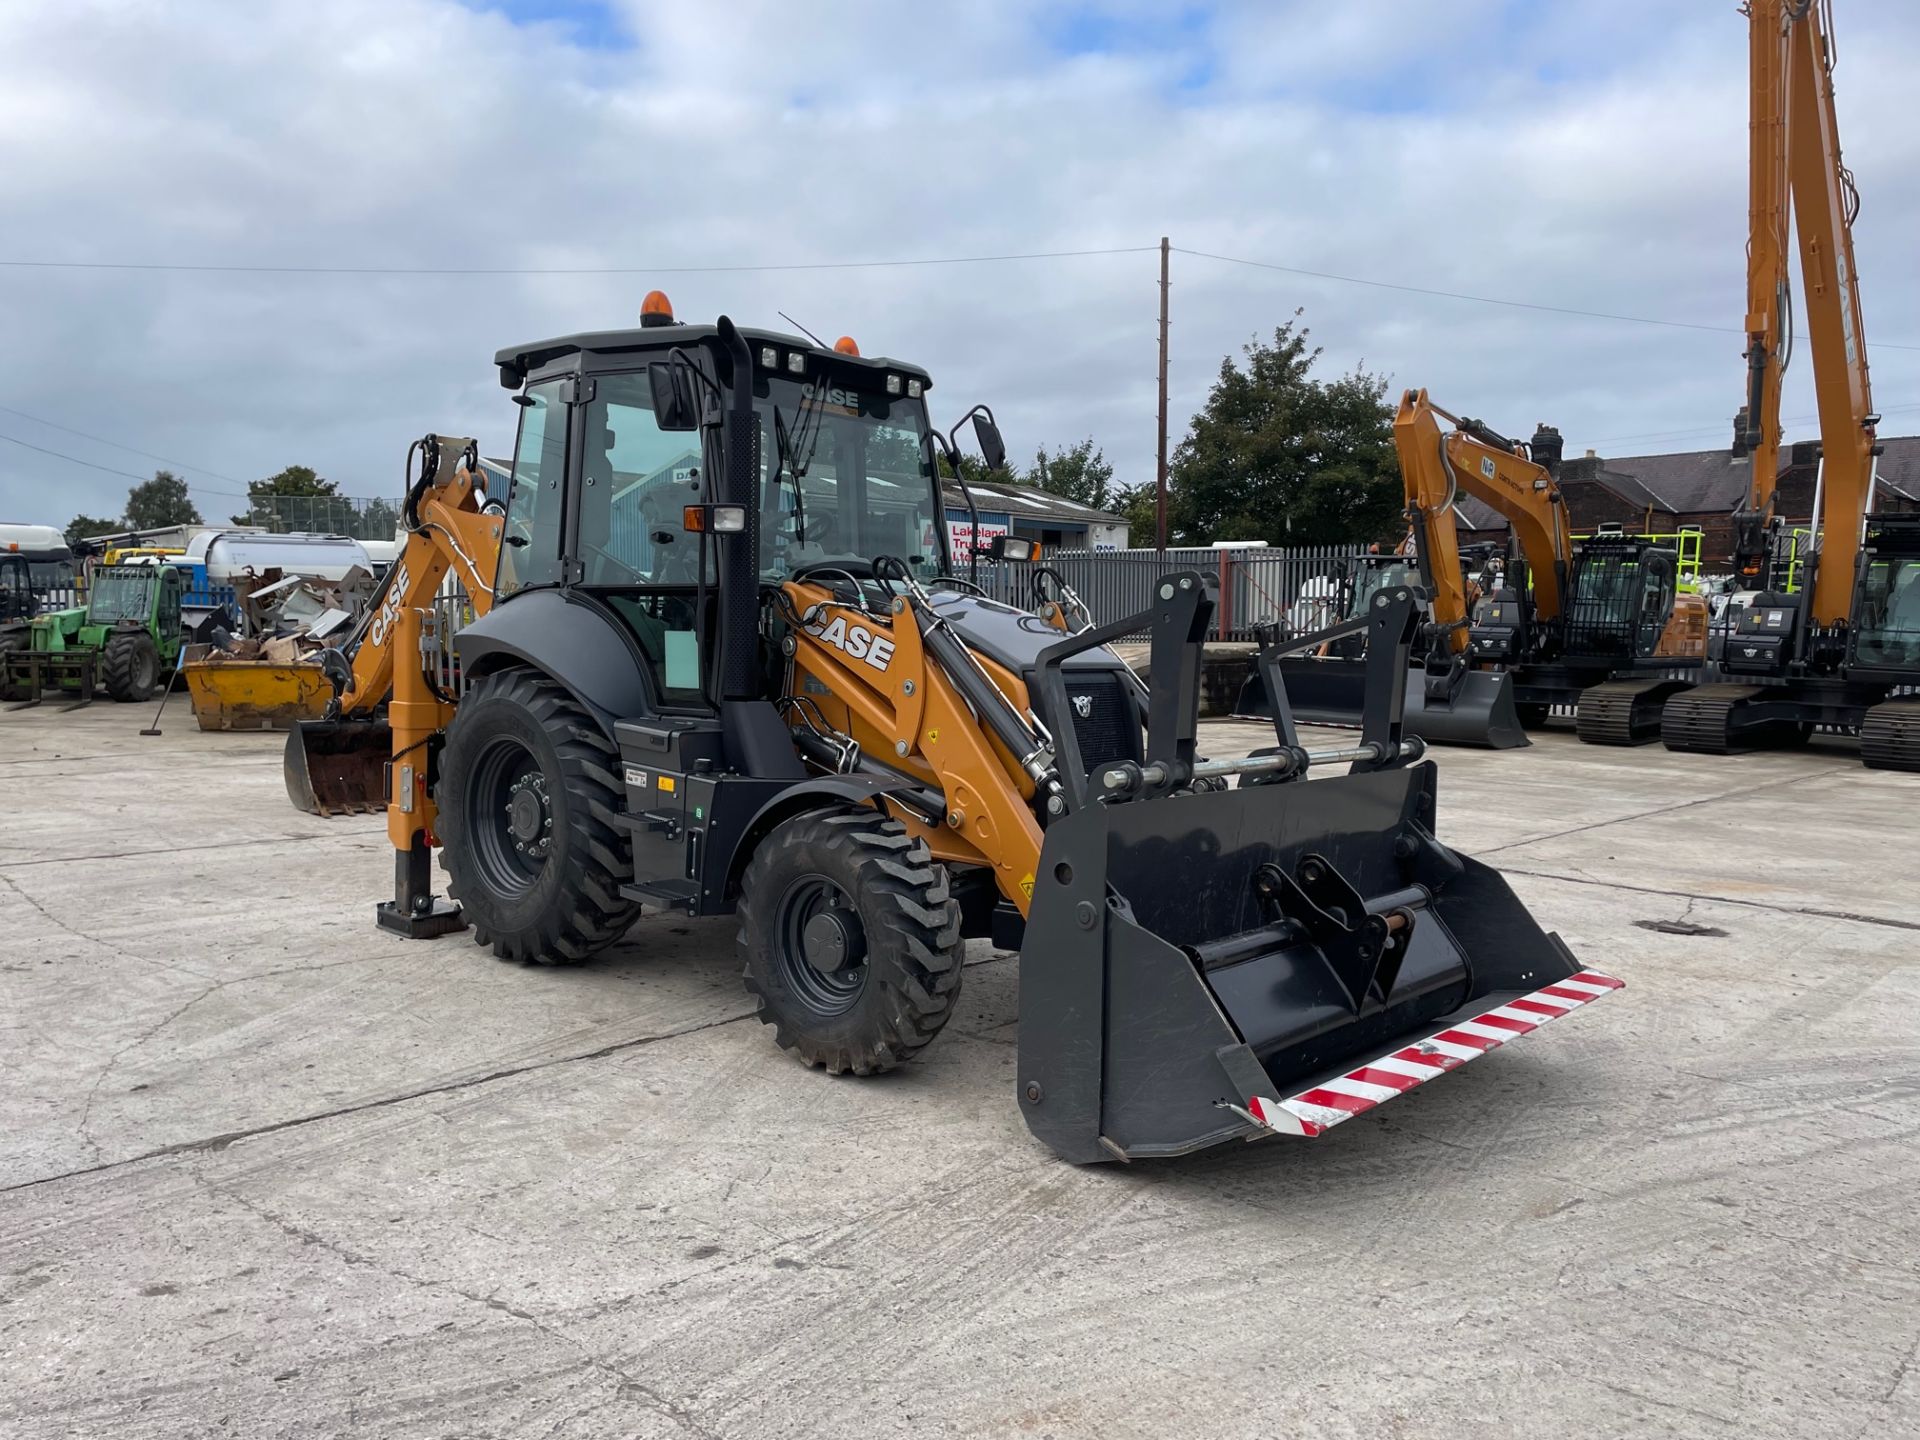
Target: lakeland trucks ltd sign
{"x":962,"y":536}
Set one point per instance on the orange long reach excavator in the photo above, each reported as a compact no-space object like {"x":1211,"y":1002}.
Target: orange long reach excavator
{"x":724,"y":665}
{"x":1835,"y":651}
{"x":1598,"y":623}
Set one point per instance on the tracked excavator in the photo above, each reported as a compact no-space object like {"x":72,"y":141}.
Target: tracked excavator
{"x":723,"y":664}
{"x":1840,"y":649}
{"x":1597,"y":623}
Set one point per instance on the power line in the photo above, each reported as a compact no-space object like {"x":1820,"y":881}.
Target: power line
{"x":131,"y":450}
{"x":59,"y":455}
{"x":503,"y":270}
{"x":169,"y":267}
{"x":1716,"y":430}
{"x":1490,"y":299}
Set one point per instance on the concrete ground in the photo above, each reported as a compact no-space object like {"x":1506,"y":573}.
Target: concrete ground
{"x":270,"y":1172}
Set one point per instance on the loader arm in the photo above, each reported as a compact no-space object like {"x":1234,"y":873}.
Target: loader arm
{"x":1438,"y":466}
{"x":909,"y":715}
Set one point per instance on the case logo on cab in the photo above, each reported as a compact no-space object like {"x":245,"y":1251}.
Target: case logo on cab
{"x":857,"y":642}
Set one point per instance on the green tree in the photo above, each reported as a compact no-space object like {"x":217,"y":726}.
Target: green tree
{"x":1135,"y":505}
{"x":1081,"y":473}
{"x":82,"y":526}
{"x":162,"y":501}
{"x":378,"y":520}
{"x":1279,"y":456}
{"x":308,"y":493}
{"x":974,"y":470}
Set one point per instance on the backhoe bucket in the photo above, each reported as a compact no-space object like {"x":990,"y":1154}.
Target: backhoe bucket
{"x":1275,"y":958}
{"x":338,"y":767}
{"x":1479,"y":711}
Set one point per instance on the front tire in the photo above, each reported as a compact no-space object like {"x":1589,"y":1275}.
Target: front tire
{"x":851,"y":940}
{"x":130,"y":666}
{"x":529,"y":792}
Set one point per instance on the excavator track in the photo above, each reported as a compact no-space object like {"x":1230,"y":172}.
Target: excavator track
{"x":1624,"y":712}
{"x":1700,"y":720}
{"x":1890,"y":735}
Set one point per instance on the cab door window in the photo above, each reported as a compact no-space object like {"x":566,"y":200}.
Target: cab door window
{"x":169,"y":617}
{"x":530,"y":542}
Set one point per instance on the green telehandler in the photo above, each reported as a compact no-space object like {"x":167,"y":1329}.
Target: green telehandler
{"x":126,"y":640}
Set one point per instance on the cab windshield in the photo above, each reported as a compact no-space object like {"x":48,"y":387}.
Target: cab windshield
{"x":117,"y":595}
{"x":1888,"y":632}
{"x":846,"y":476}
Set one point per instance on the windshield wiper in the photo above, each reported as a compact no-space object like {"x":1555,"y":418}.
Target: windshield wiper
{"x":808,"y":420}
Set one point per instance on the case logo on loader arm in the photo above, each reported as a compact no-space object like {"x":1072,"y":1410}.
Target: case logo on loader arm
{"x":855,"y":641}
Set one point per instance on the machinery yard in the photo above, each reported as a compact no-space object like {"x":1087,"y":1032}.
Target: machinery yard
{"x":271,"y":1171}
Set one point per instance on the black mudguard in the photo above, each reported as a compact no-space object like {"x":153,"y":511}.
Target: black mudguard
{"x":571,"y":637}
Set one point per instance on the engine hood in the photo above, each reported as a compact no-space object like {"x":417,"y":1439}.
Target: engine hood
{"x":1011,"y":637}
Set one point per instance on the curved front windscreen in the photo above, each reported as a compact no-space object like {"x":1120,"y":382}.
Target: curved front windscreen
{"x":846,"y":476}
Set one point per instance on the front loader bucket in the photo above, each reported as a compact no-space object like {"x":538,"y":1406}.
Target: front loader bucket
{"x":338,"y":767}
{"x":1332,"y":691}
{"x":1270,"y":959}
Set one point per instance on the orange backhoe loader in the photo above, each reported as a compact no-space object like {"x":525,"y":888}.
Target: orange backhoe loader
{"x":724,"y":666}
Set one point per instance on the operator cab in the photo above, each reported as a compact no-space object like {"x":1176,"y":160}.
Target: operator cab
{"x":1621,"y":594}
{"x":1885,"y":633}
{"x":842,"y":445}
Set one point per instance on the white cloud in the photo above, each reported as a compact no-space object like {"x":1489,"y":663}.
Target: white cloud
{"x":1590,"y":157}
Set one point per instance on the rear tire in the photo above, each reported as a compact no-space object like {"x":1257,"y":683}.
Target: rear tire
{"x":130,"y":666}
{"x":529,"y":792}
{"x":894,"y":918}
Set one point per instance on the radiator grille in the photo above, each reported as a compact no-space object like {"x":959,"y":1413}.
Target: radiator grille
{"x":1109,"y":730}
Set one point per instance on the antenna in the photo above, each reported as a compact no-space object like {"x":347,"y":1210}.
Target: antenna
{"x":803,"y":329}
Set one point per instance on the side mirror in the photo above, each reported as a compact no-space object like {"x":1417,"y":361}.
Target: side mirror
{"x":1011,"y":548}
{"x":992,"y":448}
{"x":673,"y":407}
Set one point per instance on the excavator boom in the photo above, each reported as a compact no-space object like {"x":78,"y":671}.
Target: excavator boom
{"x":338,"y":765}
{"x":1825,"y":203}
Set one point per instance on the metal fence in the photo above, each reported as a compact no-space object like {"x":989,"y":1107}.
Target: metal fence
{"x":1256,"y":587}
{"x":361,"y":517}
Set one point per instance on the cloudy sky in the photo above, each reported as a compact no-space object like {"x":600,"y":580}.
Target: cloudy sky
{"x":159,"y":160}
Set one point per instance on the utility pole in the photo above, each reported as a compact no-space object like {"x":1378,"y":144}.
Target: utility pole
{"x":1160,"y":471}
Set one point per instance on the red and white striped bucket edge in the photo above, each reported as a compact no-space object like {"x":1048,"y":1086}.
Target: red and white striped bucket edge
{"x":1319,"y":1109}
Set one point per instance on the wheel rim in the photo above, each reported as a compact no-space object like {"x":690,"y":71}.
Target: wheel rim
{"x":144,"y":666}
{"x":821,"y":946}
{"x":511,"y":815}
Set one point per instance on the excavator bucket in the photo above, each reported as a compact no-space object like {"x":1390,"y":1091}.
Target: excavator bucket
{"x":1467,"y":707}
{"x":1471,"y":707}
{"x":338,"y":767}
{"x":1204,"y":964}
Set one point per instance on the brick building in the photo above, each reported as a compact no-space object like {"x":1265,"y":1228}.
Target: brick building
{"x":1699,"y":488}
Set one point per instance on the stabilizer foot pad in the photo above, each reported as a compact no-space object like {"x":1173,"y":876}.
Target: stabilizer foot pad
{"x":442,"y":918}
